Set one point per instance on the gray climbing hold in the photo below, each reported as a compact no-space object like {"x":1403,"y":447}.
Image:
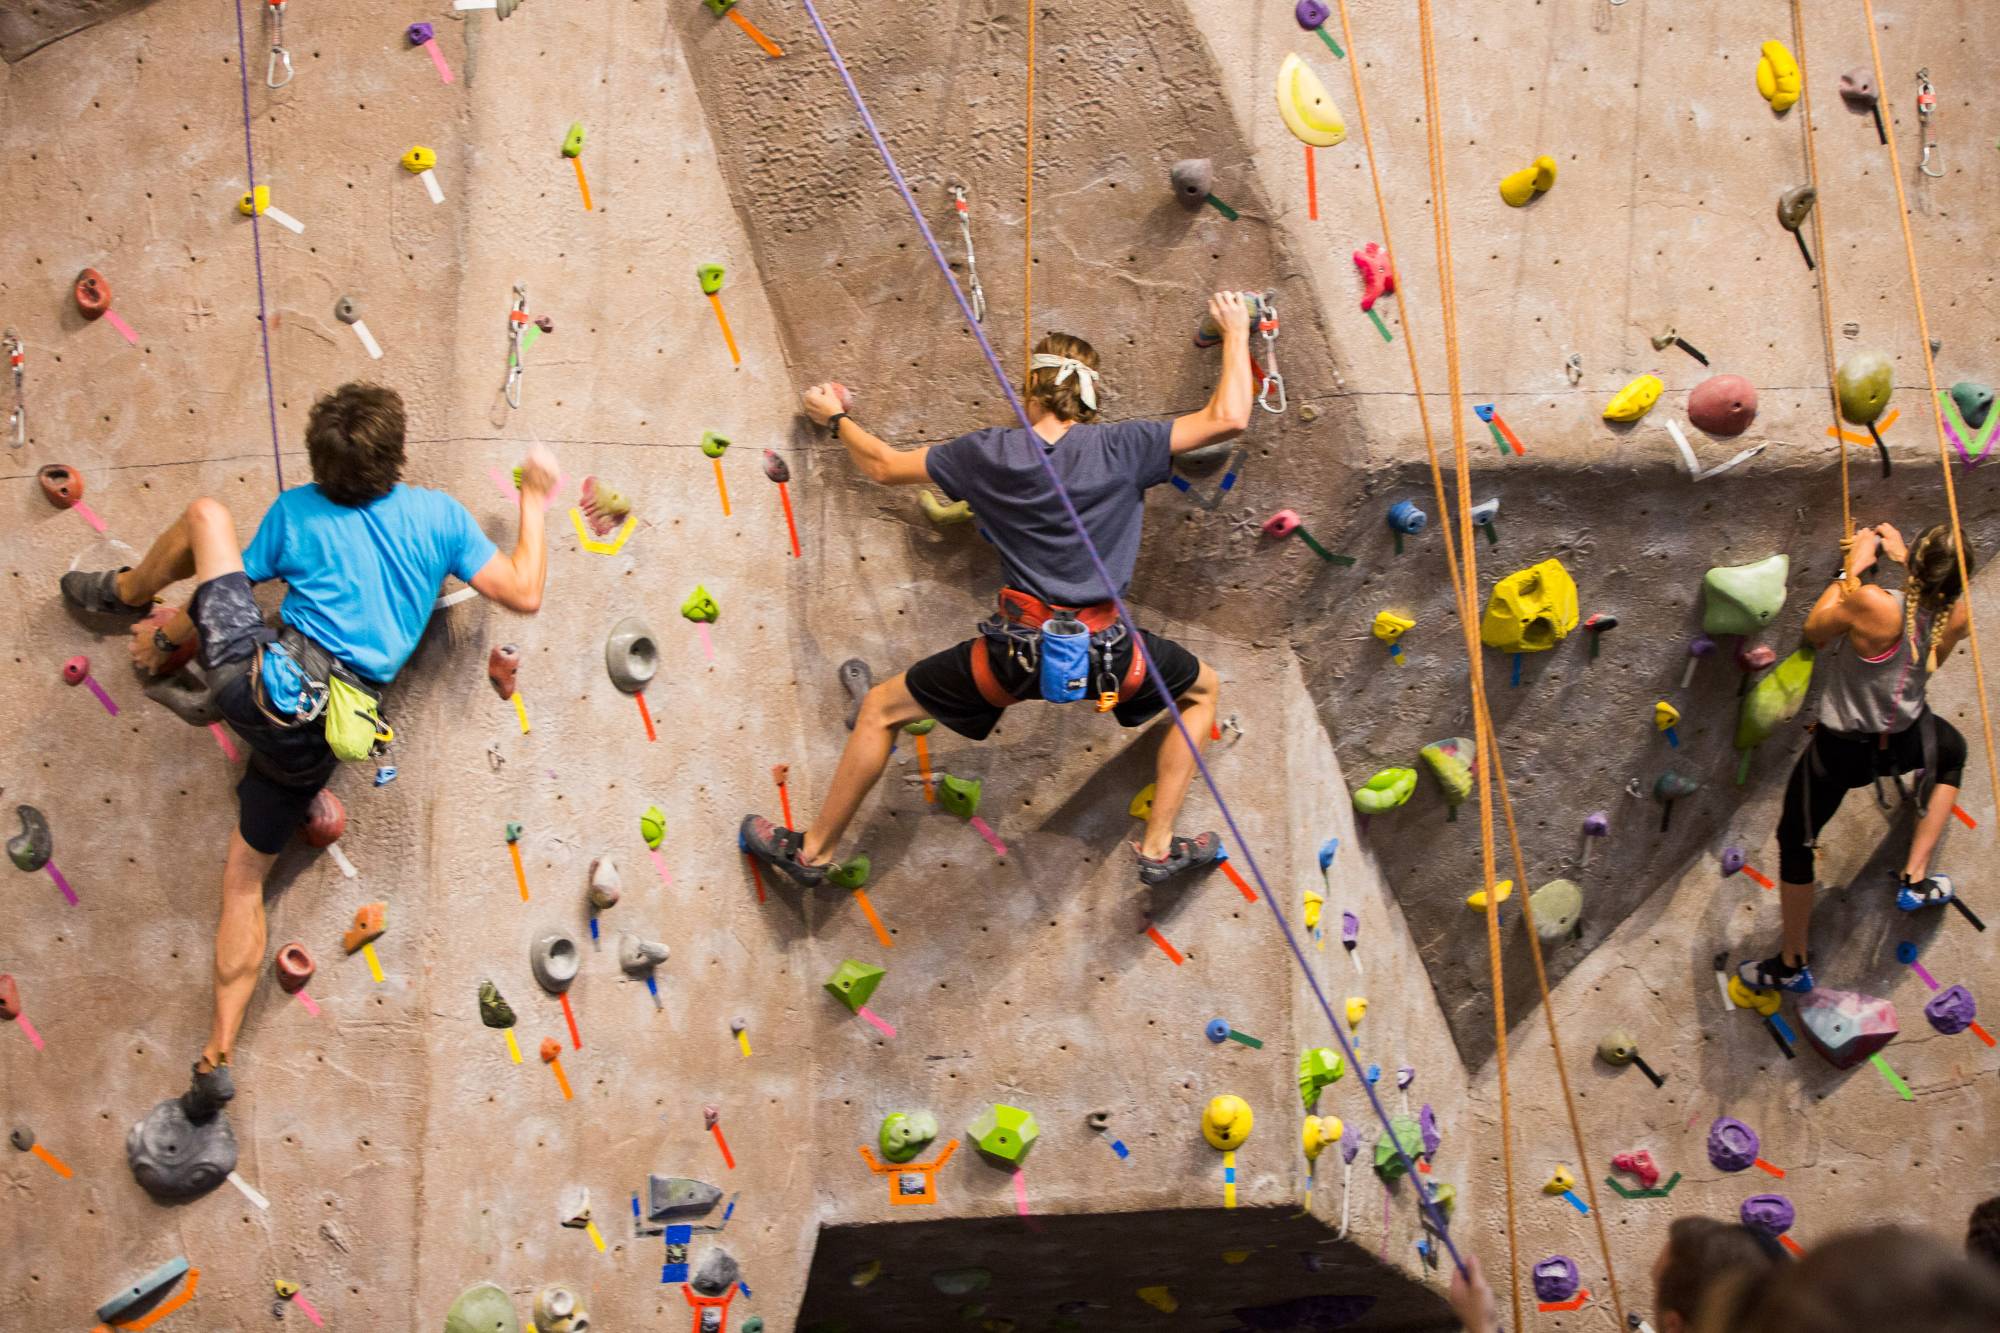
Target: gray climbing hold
{"x":22,"y":1138}
{"x":857,"y":680}
{"x":31,"y":848}
{"x":346,"y":311}
{"x":1194,"y":180}
{"x":144,"y":1294}
{"x":554,"y":961}
{"x":631,"y":655}
{"x":187,"y":696}
{"x":671,"y":1197}
{"x":716,"y":1273}
{"x":638,"y":957}
{"x":174,"y":1157}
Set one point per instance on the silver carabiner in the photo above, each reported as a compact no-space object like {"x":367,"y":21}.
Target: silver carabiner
{"x":1273,"y":382}
{"x":17,"y":420}
{"x":517,"y":323}
{"x":280,"y":58}
{"x":971,"y":261}
{"x":1926,"y":108}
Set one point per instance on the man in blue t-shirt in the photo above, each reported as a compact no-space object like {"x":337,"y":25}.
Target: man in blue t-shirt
{"x":362,"y":557}
{"x":1000,"y":473}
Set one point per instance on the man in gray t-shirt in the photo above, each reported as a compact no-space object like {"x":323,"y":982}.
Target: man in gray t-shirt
{"x":1000,"y":473}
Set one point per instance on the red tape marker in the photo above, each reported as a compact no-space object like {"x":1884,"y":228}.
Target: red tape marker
{"x":1249,"y":894}
{"x":1173,"y":954}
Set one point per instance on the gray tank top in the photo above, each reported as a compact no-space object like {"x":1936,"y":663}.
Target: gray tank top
{"x":1869,"y":695}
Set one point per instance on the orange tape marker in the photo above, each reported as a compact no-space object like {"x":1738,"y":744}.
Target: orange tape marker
{"x":1762,"y":880}
{"x":1312,"y":186}
{"x":868,"y":910}
{"x":647,"y":714}
{"x":1249,"y":894}
{"x":520,"y":875}
{"x":1982,"y":1034}
{"x":581,"y":183}
{"x":728,"y":337}
{"x":1763,"y":1165}
{"x":791,"y":524}
{"x":575,"y":1041}
{"x":924,"y":767}
{"x":562,"y":1079}
{"x":1173,"y":954}
{"x":728,"y":1158}
{"x":771,"y":48}
{"x":1966,"y":819}
{"x":721,"y":487}
{"x":56,"y":1163}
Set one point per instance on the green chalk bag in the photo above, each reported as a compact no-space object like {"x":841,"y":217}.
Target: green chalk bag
{"x":355,"y":728}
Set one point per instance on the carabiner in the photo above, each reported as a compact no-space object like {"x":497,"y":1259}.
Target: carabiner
{"x":1267,"y":326}
{"x":517,"y":324}
{"x":1926,"y":108}
{"x":971,"y":261}
{"x":17,"y":420}
{"x":274,"y":16}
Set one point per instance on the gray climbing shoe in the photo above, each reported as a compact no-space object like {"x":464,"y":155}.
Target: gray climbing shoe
{"x":208,"y":1093}
{"x":779,"y":848}
{"x":96,"y":591}
{"x":1183,"y":854}
{"x":858,"y":680}
{"x":187,"y":695}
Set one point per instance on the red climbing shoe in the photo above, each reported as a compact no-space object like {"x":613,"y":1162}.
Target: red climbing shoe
{"x":1183,"y":854}
{"x":779,"y":848}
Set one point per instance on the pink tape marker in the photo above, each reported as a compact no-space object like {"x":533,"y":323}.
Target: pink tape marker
{"x":307,"y":1001}
{"x":216,"y":730}
{"x":34,"y":1037}
{"x":61,"y":883}
{"x":299,"y":1297}
{"x":707,"y":643}
{"x":444,"y":72}
{"x":122,"y":327}
{"x":660,"y":864}
{"x":985,"y":831}
{"x":1020,"y":1192}
{"x":88,"y":515}
{"x":881,"y":1025}
{"x":1928,"y":979}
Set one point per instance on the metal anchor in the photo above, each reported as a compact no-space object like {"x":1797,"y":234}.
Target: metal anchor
{"x":280,"y":57}
{"x":978,"y":294}
{"x":517,"y":324}
{"x":17,"y":420}
{"x":1927,"y":108}
{"x":1273,"y":382}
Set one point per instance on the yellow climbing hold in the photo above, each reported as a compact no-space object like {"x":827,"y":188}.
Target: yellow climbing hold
{"x":419,"y":158}
{"x":1142,"y":804}
{"x":1320,"y":1132}
{"x":1390,"y":627}
{"x":1357,"y":1009}
{"x":286,"y":1289}
{"x":942,"y":514}
{"x":1778,"y":77}
{"x":1160,"y":1298}
{"x":1501,"y":893}
{"x":1314,"y":903}
{"x":254,"y":201}
{"x":1226,"y":1122}
{"x":1531,"y":610}
{"x":1665,"y":715}
{"x":1309,"y":113}
{"x":1518,"y":187}
{"x":1235,"y":1256}
{"x":1562,"y":1182}
{"x":1635,"y":400}
{"x":1765,"y":1002}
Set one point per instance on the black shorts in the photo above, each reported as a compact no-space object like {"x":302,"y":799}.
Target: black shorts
{"x":288,"y":765}
{"x":1836,"y":762}
{"x":944,"y":685}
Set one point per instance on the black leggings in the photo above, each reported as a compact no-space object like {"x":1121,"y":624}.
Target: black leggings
{"x":1836,"y":762}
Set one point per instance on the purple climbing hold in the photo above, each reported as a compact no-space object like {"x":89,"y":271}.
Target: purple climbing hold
{"x":1556,"y":1278}
{"x":1427,"y":1125}
{"x":1846,"y":1026}
{"x":1732,"y":1145}
{"x":1771,"y":1214}
{"x":1350,"y":928}
{"x":1406,"y":1075}
{"x":419,"y":33}
{"x":1311,"y":13}
{"x":1733,"y":860}
{"x":1348,"y":1148}
{"x":1951,"y":1010}
{"x":1597,"y":824}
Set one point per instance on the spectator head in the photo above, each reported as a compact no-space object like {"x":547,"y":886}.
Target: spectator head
{"x":1698,"y":1250}
{"x":1982,"y":1233}
{"x":1860,"y":1282}
{"x":354,"y":437}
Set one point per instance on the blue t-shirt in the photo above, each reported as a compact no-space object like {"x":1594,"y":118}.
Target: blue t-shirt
{"x":360,"y":581}
{"x":1105,"y":468}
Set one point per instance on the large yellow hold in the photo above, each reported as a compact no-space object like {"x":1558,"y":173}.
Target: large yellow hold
{"x":1309,"y":113}
{"x":1778,"y":77}
{"x":1635,"y":400}
{"x":1530,"y":611}
{"x":1227,"y":1121}
{"x":1518,"y":187}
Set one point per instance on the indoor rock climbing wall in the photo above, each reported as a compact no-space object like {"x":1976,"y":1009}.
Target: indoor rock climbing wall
{"x":404,"y":1156}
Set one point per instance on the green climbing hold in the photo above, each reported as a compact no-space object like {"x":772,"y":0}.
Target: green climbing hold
{"x":494,"y":1011}
{"x":852,"y":983}
{"x":923,"y":726}
{"x":1385,"y":791}
{"x":1388,"y":1163}
{"x":653,"y":826}
{"x":713,"y":444}
{"x":851,"y":873}
{"x":1558,"y":908}
{"x":961,"y":1281}
{"x":1445,"y":1195}
{"x":1450,"y":761}
{"x":513,"y":830}
{"x":710,"y":275}
{"x":1671,"y":786}
{"x":700,"y":607}
{"x":1772,"y":702}
{"x":1005,"y":1132}
{"x":904,"y":1134}
{"x":573,"y":141}
{"x":1863,"y":383}
{"x":1742,"y":599}
{"x":1319,"y":1068}
{"x":482,"y":1309}
{"x":960,"y":796}
{"x":1974,"y":400}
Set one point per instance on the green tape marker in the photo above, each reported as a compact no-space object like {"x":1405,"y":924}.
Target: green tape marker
{"x":1331,"y":45}
{"x":1895,"y":1079}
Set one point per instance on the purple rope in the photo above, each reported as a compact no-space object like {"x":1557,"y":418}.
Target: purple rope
{"x":1430,"y":1208}
{"x":257,"y":245}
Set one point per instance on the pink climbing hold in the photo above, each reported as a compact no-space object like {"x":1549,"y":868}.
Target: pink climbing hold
{"x":1722,"y":405}
{"x":1281,"y":524}
{"x":1378,"y":278}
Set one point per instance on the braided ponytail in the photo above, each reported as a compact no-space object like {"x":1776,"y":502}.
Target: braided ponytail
{"x":1933,"y":582}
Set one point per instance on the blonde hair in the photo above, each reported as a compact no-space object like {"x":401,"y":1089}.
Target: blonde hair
{"x":1932,"y":583}
{"x":1065,"y":399}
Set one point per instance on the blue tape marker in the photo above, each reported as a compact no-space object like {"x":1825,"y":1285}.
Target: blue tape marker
{"x":1517,"y":671}
{"x":653,"y":986}
{"x":593,"y":930}
{"x":635,"y":1206}
{"x":1784,"y":1029}
{"x":1180,"y":483}
{"x":1228,"y":481}
{"x":743,"y":1287}
{"x":1118,"y":1146}
{"x":730,"y":1211}
{"x":1577,"y":1203}
{"x":1229,"y":1174}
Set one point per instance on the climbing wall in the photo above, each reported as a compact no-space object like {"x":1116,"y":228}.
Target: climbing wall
{"x":393,"y":1151}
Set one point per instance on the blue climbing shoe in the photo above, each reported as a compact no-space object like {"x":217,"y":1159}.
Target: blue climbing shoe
{"x":1774,"y":973}
{"x":1934,"y":891}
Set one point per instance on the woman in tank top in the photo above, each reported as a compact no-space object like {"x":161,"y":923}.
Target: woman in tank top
{"x":1878,"y":650}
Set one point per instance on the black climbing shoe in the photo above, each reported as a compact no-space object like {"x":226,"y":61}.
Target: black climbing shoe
{"x":857,"y":680}
{"x":1183,"y":854}
{"x":779,"y":848}
{"x":1774,"y":973}
{"x":97,"y":592}
{"x":208,"y":1093}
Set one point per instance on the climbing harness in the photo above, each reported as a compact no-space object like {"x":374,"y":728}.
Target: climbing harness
{"x":281,"y":59}
{"x":971,"y":260}
{"x":517,"y":325}
{"x":1927,"y":131}
{"x":17,"y":420}
{"x":1272,"y":382}
{"x":1055,"y":646}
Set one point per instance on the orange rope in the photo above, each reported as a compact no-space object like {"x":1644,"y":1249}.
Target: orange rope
{"x":1937,"y":419}
{"x":1825,"y":279}
{"x":1028,"y":220}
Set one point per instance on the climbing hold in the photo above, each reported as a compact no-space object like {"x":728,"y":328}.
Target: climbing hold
{"x":1733,"y":860}
{"x":961,"y":1281}
{"x":1385,"y":791}
{"x":710,"y":277}
{"x":144,"y":1294}
{"x":1357,"y":1009}
{"x":1378,"y":278}
{"x":630,"y":655}
{"x":1732,"y":1145}
{"x":852,"y":983}
{"x":1518,"y":187}
{"x":714,"y":444}
{"x":776,"y":468}
{"x":1390,"y":627}
{"x":1406,"y":518}
{"x":1404,"y":1133}
{"x":1670,"y":787}
{"x":605,"y":886}
{"x":1857,"y":88}
{"x":1795,"y":206}
{"x":1665,"y":716}
{"x":1742,"y":599}
{"x":1597,"y":824}
{"x":503,"y":663}
{"x":1723,"y":405}
{"x":1318,"y":1132}
{"x":923,"y":726}
{"x":31,"y":848}
{"x":904,"y":1134}
{"x":671,"y":1197}
{"x":1476,"y":900}
{"x":1778,"y":77}
{"x":76,"y":670}
{"x":482,"y":1309}
{"x":92,"y":292}
{"x":554,"y":961}
{"x":572,"y":146}
{"x":857,"y":679}
{"x":1193,"y":181}
{"x":700,"y":607}
{"x":419,"y":33}
{"x":1281,"y":524}
{"x":1217,"y":1030}
{"x":1160,"y":1298}
{"x":10,"y":998}
{"x":1765,"y":1002}
{"x":1635,"y":399}
{"x":370,"y":922}
{"x":1556,"y":1279}
{"x":494,"y":1011}
{"x":346,"y":310}
{"x":1864,"y":382}
{"x":559,"y":1310}
{"x":1560,"y":1181}
{"x":1450,"y":762}
{"x":1639,"y":1163}
{"x":175,"y":1156}
{"x":1973,"y":400}
{"x":1310,"y":14}
{"x":1098,"y":1120}
{"x":959,"y":796}
{"x":1951,"y":1010}
{"x":1141,"y":806}
{"x":1775,"y":700}
{"x":253,"y":202}
{"x":1846,"y":1026}
{"x":717,"y":1272}
{"x":294,"y":967}
{"x":551,"y":1051}
{"x":851,"y":873}
{"x":1558,"y":907}
{"x":1617,"y":1047}
{"x":1320,"y":1067}
{"x":653,"y":826}
{"x":1226,"y":1122}
{"x":1308,"y":112}
{"x":603,"y":508}
{"x":419,"y":158}
{"x":942,"y":514}
{"x":1005,"y":1132}
{"x":637,"y":957}
{"x":1530,"y":610}
{"x":62,"y":485}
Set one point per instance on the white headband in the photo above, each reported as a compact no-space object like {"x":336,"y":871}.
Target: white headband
{"x":1065,"y":366}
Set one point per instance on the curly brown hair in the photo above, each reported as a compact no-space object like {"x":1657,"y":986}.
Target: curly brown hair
{"x":354,"y":437}
{"x":1699,"y":1249}
{"x":1065,"y":399}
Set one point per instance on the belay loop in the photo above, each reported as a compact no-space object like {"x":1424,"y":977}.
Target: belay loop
{"x":1273,"y":384}
{"x":281,"y":59}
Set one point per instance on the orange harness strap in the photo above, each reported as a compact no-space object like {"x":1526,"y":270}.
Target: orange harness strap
{"x":1020,"y":607}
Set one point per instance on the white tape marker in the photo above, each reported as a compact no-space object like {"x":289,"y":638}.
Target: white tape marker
{"x":430,"y":180}
{"x":464,"y":594}
{"x":1687,"y":451}
{"x":285,"y":220}
{"x":463,"y":5}
{"x":340,"y":859}
{"x":367,"y":340}
{"x":249,"y":1191}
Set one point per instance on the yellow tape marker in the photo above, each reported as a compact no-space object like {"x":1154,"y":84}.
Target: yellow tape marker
{"x":592,"y":544}
{"x":1229,"y":1180}
{"x":520,"y":711}
{"x":374,"y":963}
{"x":596,"y":1237}
{"x":743,"y":1041}
{"x":513,"y":1047}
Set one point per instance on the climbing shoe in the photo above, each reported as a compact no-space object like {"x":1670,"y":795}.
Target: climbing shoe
{"x":97,"y":592}
{"x":1932,"y":891}
{"x":780,"y":849}
{"x":208,"y":1093}
{"x":1775,"y":973}
{"x":1183,"y":854}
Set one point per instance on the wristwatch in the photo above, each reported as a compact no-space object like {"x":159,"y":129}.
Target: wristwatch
{"x":165,"y":646}
{"x":833,"y":423}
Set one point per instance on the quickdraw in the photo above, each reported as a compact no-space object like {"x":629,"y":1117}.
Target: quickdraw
{"x":281,"y":59}
{"x":517,"y":325}
{"x":971,"y":261}
{"x":1271,"y":382}
{"x":1927,"y":108}
{"x":17,"y":420}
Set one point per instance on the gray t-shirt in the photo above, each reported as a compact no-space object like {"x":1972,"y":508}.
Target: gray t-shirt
{"x":1105,"y":468}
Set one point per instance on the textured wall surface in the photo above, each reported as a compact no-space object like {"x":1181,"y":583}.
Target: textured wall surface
{"x":405,"y":1157}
